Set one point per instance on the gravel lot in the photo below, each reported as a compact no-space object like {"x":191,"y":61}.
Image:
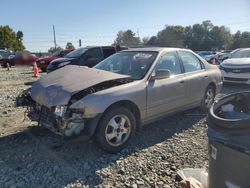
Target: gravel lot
{"x":31,"y":156}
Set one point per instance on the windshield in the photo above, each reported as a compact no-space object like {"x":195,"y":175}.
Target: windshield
{"x":241,"y":53}
{"x":76,"y":53}
{"x":134,"y":64}
{"x":55,"y":54}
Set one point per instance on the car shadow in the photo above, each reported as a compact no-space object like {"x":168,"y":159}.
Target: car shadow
{"x":50,"y":159}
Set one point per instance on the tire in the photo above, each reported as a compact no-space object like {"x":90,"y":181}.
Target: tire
{"x":208,"y":99}
{"x":115,"y":129}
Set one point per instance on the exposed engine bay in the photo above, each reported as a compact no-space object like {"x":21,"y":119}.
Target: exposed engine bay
{"x":63,"y":120}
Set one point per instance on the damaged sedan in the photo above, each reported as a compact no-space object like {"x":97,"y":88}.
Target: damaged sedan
{"x":123,"y":92}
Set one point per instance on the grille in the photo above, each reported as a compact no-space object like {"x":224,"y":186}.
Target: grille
{"x":236,"y":79}
{"x":236,"y":70}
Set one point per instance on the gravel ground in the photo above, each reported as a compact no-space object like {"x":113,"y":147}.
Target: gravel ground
{"x":31,"y":156}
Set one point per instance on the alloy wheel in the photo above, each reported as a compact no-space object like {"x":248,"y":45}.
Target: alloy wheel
{"x":209,"y":97}
{"x":118,"y":130}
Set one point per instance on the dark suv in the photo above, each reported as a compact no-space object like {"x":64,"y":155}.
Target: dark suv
{"x":87,"y":56}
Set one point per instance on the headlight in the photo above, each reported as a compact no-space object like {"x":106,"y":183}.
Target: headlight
{"x":42,"y":62}
{"x":11,"y":57}
{"x":63,"y":64}
{"x":60,"y":110}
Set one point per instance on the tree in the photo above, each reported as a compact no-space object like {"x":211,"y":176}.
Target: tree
{"x":69,"y":45}
{"x":206,"y":36}
{"x":126,"y":38}
{"x":200,"y":36}
{"x":171,"y":36}
{"x":152,"y":41}
{"x":53,"y":49}
{"x":145,"y":40}
{"x":241,"y":40}
{"x":11,"y":40}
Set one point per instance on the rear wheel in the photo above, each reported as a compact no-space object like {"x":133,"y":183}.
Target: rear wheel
{"x":115,"y":129}
{"x":208,"y":98}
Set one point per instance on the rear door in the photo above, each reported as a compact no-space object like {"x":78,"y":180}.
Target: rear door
{"x":195,"y":74}
{"x":92,"y":57}
{"x":108,"y":51}
{"x":168,"y":94}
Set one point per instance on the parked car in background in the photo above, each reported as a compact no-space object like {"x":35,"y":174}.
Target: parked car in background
{"x":237,"y":68}
{"x":122,"y":92}
{"x":209,"y":56}
{"x":44,"y":61}
{"x":87,"y":56}
{"x":5,"y":57}
{"x":225,"y":54}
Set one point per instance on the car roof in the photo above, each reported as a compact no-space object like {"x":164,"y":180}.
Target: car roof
{"x":152,"y":49}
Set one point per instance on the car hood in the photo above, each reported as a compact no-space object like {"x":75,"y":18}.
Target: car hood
{"x":236,"y":62}
{"x":57,"y":87}
{"x":61,"y":60}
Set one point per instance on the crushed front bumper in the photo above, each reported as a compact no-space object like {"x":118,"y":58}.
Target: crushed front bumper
{"x":64,"y":126}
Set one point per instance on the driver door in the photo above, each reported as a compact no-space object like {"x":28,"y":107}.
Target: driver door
{"x":168,"y":94}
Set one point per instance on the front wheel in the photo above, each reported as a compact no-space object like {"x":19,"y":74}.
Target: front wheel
{"x":208,"y":99}
{"x":115,"y":129}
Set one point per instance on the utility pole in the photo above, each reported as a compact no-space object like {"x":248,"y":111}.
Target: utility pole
{"x":80,"y":43}
{"x":138,"y":34}
{"x":54,"y":32}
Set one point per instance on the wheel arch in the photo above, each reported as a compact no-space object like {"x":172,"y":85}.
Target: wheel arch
{"x":213,"y":85}
{"x":129,"y":105}
{"x":122,"y":103}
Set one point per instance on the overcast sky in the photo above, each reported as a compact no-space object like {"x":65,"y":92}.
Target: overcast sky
{"x":97,"y":22}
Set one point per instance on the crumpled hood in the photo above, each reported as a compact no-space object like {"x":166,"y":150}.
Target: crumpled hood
{"x":57,"y":87}
{"x":236,"y":62}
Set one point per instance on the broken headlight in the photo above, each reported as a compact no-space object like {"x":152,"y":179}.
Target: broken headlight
{"x":60,"y":110}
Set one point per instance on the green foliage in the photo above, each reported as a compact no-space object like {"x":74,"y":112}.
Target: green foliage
{"x":126,"y":38}
{"x":11,"y":40}
{"x":171,"y":36}
{"x":53,"y":49}
{"x":241,"y":40}
{"x":204,"y":36}
{"x":69,"y":45}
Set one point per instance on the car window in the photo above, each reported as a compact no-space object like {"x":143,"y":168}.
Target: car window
{"x":76,"y":53}
{"x":244,"y":53}
{"x":94,"y":53}
{"x":135,"y":64}
{"x":63,"y":53}
{"x":170,"y":61}
{"x":190,"y":62}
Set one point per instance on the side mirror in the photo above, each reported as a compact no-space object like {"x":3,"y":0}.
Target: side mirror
{"x":161,"y":74}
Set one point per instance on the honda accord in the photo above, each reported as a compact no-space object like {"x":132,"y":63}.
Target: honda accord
{"x":123,"y":92}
